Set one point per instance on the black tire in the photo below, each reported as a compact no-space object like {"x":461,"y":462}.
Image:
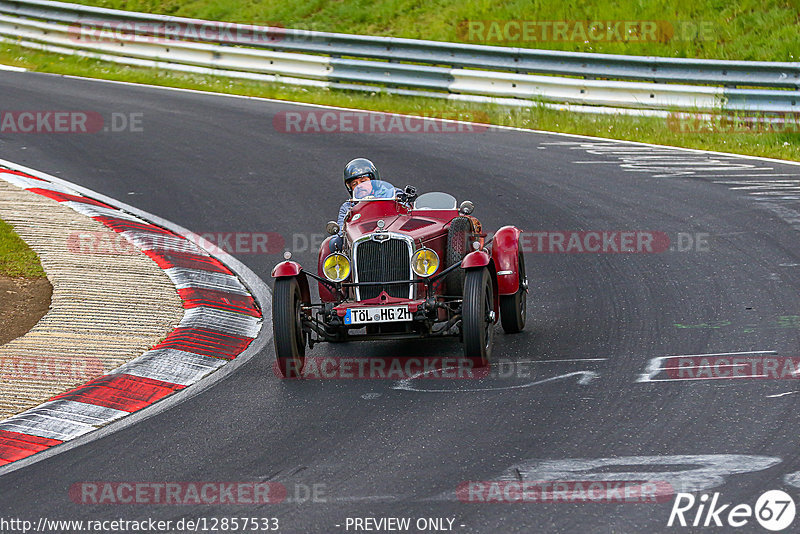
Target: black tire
{"x":287,"y":325}
{"x":476,"y":312}
{"x":513,"y":307}
{"x":458,"y":246}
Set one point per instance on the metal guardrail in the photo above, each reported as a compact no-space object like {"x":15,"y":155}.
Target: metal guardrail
{"x":433,"y":68}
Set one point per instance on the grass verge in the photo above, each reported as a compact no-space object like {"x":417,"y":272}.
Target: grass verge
{"x":17,"y":260}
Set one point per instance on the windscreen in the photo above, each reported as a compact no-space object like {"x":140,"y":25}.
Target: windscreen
{"x":435,"y":201}
{"x":374,"y":190}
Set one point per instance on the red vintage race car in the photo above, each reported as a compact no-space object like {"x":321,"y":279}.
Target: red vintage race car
{"x":409,"y":267}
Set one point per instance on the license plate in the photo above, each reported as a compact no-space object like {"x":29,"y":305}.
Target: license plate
{"x":377,"y":314}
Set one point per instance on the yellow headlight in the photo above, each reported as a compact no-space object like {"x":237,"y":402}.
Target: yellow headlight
{"x":425,"y":262}
{"x":336,"y":267}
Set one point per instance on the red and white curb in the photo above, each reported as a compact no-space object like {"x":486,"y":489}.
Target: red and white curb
{"x":220,"y":322}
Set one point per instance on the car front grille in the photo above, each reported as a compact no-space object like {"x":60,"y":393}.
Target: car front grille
{"x":383,"y":261}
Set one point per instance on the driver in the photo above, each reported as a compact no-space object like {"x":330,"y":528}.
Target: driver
{"x":358,"y":171}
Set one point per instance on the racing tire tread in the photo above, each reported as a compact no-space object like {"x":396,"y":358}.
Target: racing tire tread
{"x":289,"y":343}
{"x":478,"y":300}
{"x":512,"y":307}
{"x":457,"y":247}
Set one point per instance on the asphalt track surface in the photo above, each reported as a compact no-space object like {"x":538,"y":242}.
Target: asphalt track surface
{"x":595,"y":322}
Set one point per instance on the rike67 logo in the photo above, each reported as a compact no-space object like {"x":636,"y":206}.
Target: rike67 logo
{"x":774,"y":510}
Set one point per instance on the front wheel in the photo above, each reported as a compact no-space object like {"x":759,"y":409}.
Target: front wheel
{"x":457,"y":247}
{"x":513,"y":308}
{"x":477,"y":316}
{"x":287,"y":325}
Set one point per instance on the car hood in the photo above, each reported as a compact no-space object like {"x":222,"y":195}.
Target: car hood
{"x":414,"y":226}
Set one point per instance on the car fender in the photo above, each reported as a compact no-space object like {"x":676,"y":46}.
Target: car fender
{"x":505,"y":253}
{"x":289,"y":269}
{"x":475,"y":259}
{"x":325,"y":292}
{"x":479,"y":259}
{"x":286,"y":268}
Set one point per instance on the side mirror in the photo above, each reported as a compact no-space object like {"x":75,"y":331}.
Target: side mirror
{"x":466,"y":208}
{"x":332,"y":228}
{"x":409,"y":194}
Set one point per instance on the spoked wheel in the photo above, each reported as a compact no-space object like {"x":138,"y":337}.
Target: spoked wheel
{"x":287,"y":324}
{"x":477,"y":316}
{"x":457,"y":247}
{"x":513,"y":307}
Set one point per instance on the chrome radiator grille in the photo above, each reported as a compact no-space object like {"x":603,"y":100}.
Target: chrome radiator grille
{"x":383,"y":261}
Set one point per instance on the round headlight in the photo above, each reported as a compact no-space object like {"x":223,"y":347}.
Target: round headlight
{"x":425,"y":262}
{"x":336,"y":267}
